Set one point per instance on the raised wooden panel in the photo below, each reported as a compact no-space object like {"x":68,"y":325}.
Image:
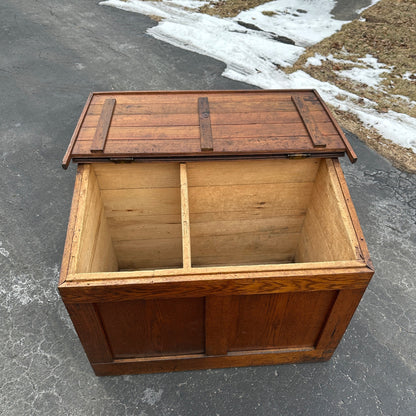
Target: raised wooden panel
{"x":278,"y":320}
{"x":154,"y":327}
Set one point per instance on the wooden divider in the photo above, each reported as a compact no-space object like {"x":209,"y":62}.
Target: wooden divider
{"x":186,"y":233}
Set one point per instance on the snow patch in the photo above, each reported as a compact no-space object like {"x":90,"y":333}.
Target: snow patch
{"x":151,"y":396}
{"x":3,"y":251}
{"x":409,"y":76}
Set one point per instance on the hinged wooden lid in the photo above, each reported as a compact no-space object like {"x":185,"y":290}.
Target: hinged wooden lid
{"x":189,"y":125}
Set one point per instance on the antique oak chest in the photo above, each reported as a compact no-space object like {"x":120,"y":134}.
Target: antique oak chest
{"x":210,"y":229}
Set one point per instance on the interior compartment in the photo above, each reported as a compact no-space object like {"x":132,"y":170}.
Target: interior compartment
{"x":141,"y":216}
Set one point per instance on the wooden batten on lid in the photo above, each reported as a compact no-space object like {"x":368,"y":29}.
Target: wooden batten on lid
{"x":195,"y":125}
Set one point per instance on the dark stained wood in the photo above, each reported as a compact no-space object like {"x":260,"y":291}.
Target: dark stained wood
{"x":257,"y":131}
{"x":222,"y":147}
{"x":90,"y":332}
{"x":217,"y":324}
{"x":158,"y":120}
{"x":101,"y":131}
{"x":278,"y":321}
{"x":160,"y":125}
{"x":205,"y":124}
{"x":154,"y":327}
{"x":67,"y":157}
{"x":344,"y":307}
{"x":310,"y":123}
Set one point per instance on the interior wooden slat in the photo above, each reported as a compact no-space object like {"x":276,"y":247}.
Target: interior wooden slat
{"x":273,"y":199}
{"x":239,"y":172}
{"x":137,"y":175}
{"x":273,"y":225}
{"x":249,"y":197}
{"x":232,"y":249}
{"x":149,"y":254}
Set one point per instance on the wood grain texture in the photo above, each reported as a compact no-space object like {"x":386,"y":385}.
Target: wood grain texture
{"x":344,"y":307}
{"x":191,"y":119}
{"x":205,"y":124}
{"x":327,"y":233}
{"x":309,"y":121}
{"x":111,"y":290}
{"x":154,"y":327}
{"x":265,"y":193}
{"x":101,"y":130}
{"x":364,"y":253}
{"x":150,"y":124}
{"x":186,"y":232}
{"x":142,"y":206}
{"x":278,"y":320}
{"x":67,"y":256}
{"x":217,"y":324}
{"x":90,"y":332}
{"x":68,"y":154}
{"x":95,"y":249}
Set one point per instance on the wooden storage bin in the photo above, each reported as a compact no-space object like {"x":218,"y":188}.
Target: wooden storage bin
{"x":188,"y":263}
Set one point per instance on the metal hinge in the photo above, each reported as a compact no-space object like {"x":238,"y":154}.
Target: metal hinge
{"x":121,"y":159}
{"x":298,"y":155}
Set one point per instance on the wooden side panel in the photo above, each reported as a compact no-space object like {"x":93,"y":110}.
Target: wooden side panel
{"x":248,"y":212}
{"x":289,"y":320}
{"x":88,"y":325}
{"x":344,"y":307}
{"x":142,"y":204}
{"x":154,"y":327}
{"x":327,"y":234}
{"x":94,"y":251}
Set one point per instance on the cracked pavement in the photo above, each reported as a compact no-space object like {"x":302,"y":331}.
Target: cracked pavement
{"x":52,"y":55}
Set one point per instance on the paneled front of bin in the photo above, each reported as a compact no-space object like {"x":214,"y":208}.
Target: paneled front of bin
{"x":212,"y":259}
